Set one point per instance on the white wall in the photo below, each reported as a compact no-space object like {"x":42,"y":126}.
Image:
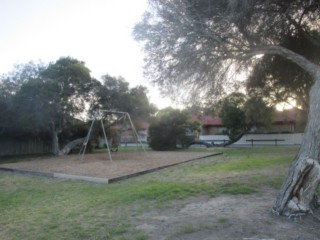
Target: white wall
{"x":289,"y":139}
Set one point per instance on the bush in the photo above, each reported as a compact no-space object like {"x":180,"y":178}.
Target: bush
{"x":170,"y":128}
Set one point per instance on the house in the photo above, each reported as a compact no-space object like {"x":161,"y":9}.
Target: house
{"x":128,"y":135}
{"x":211,"y":125}
{"x":288,"y":121}
{"x":124,"y":134}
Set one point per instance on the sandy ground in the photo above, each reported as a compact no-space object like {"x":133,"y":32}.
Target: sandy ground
{"x":99,"y":165}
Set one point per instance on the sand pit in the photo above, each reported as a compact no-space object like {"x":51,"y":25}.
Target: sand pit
{"x":99,"y":168}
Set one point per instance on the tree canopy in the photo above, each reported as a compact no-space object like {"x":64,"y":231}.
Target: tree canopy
{"x":37,"y":99}
{"x":196,"y":45}
{"x":115,"y":94}
{"x":278,"y":80}
{"x":10,"y":84}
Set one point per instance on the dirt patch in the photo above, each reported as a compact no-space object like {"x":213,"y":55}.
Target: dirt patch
{"x":243,"y":217}
{"x":99,"y":165}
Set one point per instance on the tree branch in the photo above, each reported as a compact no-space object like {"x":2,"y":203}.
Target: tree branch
{"x":298,"y":26}
{"x":300,"y":60}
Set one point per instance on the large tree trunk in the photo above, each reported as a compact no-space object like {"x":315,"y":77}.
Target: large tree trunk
{"x":236,"y":139}
{"x":54,"y":139}
{"x":297,"y":195}
{"x":55,"y":142}
{"x":71,"y":145}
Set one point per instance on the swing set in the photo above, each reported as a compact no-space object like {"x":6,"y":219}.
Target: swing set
{"x":113,"y":117}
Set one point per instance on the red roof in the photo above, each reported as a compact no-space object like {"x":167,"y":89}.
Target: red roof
{"x":143,"y":125}
{"x":285,"y":117}
{"x":195,"y":118}
{"x":211,"y":121}
{"x":289,"y":116}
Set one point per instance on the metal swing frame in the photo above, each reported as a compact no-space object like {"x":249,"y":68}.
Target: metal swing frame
{"x":98,"y":116}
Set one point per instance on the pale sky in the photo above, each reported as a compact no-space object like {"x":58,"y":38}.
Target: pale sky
{"x":98,"y":32}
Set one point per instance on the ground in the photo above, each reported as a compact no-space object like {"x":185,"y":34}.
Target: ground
{"x":100,"y":165}
{"x":244,"y":217}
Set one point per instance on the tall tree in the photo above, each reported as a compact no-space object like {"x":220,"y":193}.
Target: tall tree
{"x":112,"y":94}
{"x":240,"y":114}
{"x":20,"y":74}
{"x":10,"y":85}
{"x":115,"y":94}
{"x":233,"y":116}
{"x":52,"y":99}
{"x":197,"y":44}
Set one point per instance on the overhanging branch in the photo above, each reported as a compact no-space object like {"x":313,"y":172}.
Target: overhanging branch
{"x":300,"y":60}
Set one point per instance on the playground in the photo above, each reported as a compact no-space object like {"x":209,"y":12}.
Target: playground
{"x":98,"y":167}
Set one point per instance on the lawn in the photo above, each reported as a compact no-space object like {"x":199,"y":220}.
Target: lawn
{"x":42,"y":208}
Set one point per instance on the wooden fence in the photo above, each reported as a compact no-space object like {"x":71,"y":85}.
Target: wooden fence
{"x":23,"y":146}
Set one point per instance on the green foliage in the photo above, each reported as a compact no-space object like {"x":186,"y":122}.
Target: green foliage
{"x":169,"y":128}
{"x":10,"y":84}
{"x":195,"y":50}
{"x":50,"y":101}
{"x":115,"y":94}
{"x":36,"y":103}
{"x":233,"y":116}
{"x":279,"y":80}
{"x":46,"y":100}
{"x":240,"y":114}
{"x":72,"y":82}
{"x":21,"y":73}
{"x":257,"y":113}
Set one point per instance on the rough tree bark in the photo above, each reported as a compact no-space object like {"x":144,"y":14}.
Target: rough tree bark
{"x":236,"y":139}
{"x":297,"y":195}
{"x":54,"y":140}
{"x":66,"y":150}
{"x":55,"y":148}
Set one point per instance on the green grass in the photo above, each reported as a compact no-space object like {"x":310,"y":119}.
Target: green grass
{"x":251,"y":162}
{"x":41,"y":208}
{"x":252,"y":159}
{"x":184,"y":230}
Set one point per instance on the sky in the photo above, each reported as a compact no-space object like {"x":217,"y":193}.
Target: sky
{"x":98,"y":32}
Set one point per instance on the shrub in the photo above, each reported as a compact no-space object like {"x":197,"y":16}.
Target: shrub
{"x":170,"y":128}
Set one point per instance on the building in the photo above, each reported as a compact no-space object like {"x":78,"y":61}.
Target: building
{"x":211,"y":125}
{"x":128,"y":134}
{"x":288,"y":121}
